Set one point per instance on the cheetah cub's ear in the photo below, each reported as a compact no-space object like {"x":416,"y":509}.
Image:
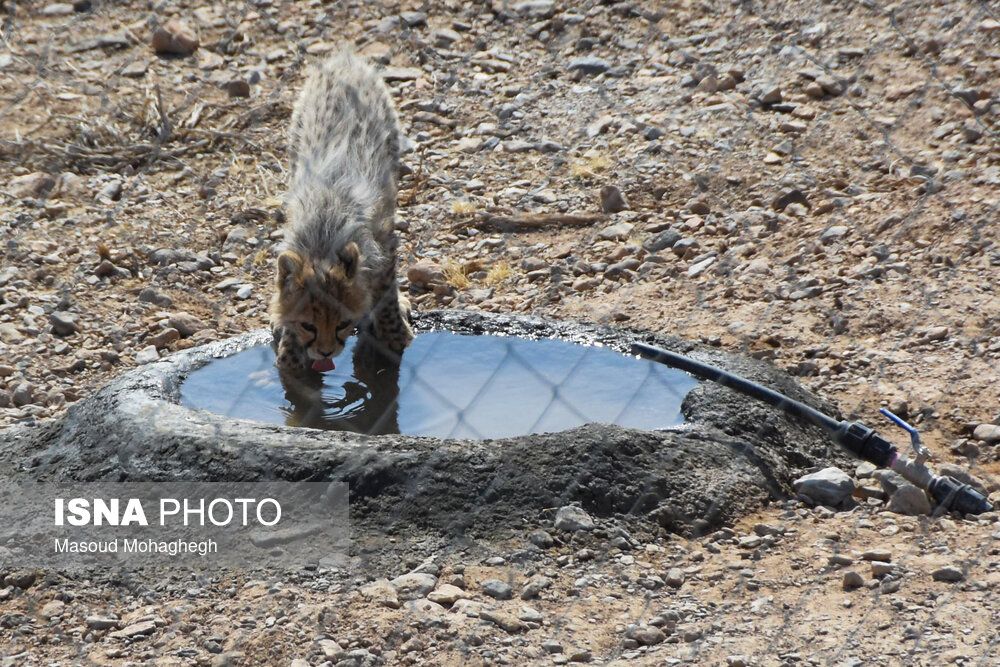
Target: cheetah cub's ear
{"x":289,"y":271}
{"x":350,"y":260}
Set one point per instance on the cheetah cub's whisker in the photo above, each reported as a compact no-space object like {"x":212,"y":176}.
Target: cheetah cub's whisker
{"x":338,"y":269}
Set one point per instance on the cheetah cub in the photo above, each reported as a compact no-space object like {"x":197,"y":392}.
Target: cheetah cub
{"x":338,"y":270}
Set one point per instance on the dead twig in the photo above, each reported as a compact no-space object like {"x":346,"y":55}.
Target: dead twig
{"x":514,"y":222}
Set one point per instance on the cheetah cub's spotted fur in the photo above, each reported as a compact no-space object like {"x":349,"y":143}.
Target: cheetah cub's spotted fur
{"x":338,"y":270}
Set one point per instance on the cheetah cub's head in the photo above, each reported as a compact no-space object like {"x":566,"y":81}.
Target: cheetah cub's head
{"x":318,"y":303}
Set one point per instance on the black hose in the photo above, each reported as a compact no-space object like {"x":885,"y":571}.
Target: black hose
{"x":859,"y":439}
{"x":737,"y":383}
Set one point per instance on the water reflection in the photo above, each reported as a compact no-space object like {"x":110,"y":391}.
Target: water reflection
{"x":369,"y":402}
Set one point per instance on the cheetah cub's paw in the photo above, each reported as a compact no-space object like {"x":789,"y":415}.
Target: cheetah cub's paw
{"x":288,"y":355}
{"x":392,"y":327}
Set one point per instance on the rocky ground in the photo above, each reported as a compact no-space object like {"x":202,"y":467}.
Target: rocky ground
{"x":814,"y":183}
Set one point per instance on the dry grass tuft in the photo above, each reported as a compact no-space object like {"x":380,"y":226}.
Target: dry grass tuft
{"x":589,"y":166}
{"x":463,"y":207}
{"x":498,"y":274}
{"x":457,"y":275}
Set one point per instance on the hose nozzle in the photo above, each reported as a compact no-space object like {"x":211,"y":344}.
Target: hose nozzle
{"x":954,"y":496}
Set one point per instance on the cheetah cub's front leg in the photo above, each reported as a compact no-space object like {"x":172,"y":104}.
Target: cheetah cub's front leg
{"x":289,"y":355}
{"x":391,"y":316}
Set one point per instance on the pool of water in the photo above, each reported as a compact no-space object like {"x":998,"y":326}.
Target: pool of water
{"x":447,"y":386}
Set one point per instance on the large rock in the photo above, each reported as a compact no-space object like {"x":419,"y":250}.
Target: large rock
{"x":425,"y":273}
{"x":572,"y":519}
{"x":909,"y":500}
{"x":186,"y":323}
{"x":31,"y":186}
{"x":830,"y":486}
{"x":175,"y":38}
{"x":414,"y":585}
{"x":988,"y":433}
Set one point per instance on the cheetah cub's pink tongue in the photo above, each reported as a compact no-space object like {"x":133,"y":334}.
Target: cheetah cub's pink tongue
{"x":323,"y":365}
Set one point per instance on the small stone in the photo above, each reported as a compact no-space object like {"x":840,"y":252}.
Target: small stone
{"x":413,"y":585}
{"x":530,"y":615}
{"x":541,"y":539}
{"x":134,"y":630}
{"x":517,"y":146}
{"x":881,"y":555}
{"x":535,"y":9}
{"x":102,"y":622}
{"x":833,"y":233}
{"x":616,"y":232}
{"x":699,"y":267}
{"x":22,"y":579}
{"x":381,"y":592}
{"x":147,"y":355}
{"x":401,"y":74}
{"x":150,"y":295}
{"x":446,"y":595}
{"x":852,"y":580}
{"x":237,"y":88}
{"x":164,"y":338}
{"x":107,"y":269}
{"x":770,"y":94}
{"x":675,"y":577}
{"x":612,"y":200}
{"x":31,"y":186}
{"x":185,"y":323}
{"x":880,"y":569}
{"x":175,"y":38}
{"x":765,"y":529}
{"x":699,"y":206}
{"x":935,"y":333}
{"x":535,"y":586}
{"x":63,"y":323}
{"x":503,"y":620}
{"x":425,"y":273}
{"x":830,"y":486}
{"x":136,"y":69}
{"x":413,"y":19}
{"x":10,"y":334}
{"x":647,"y":635}
{"x":909,"y":500}
{"x":57,"y":9}
{"x":948,"y":573}
{"x":445,"y":37}
{"x":794,"y":196}
{"x":737,"y":661}
{"x":830,"y":85}
{"x":572,"y":519}
{"x":52,"y":609}
{"x":22,"y":395}
{"x":499,"y":590}
{"x":589,"y":65}
{"x":661,"y":241}
{"x":468,"y":144}
{"x":552,"y":646}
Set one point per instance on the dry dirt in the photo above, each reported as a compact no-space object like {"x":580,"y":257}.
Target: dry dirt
{"x":831,"y":172}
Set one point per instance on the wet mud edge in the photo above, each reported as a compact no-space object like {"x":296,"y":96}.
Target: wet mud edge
{"x":729,"y":459}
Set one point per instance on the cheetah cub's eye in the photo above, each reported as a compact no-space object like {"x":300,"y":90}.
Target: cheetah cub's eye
{"x":346,"y":326}
{"x":308,"y":327}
